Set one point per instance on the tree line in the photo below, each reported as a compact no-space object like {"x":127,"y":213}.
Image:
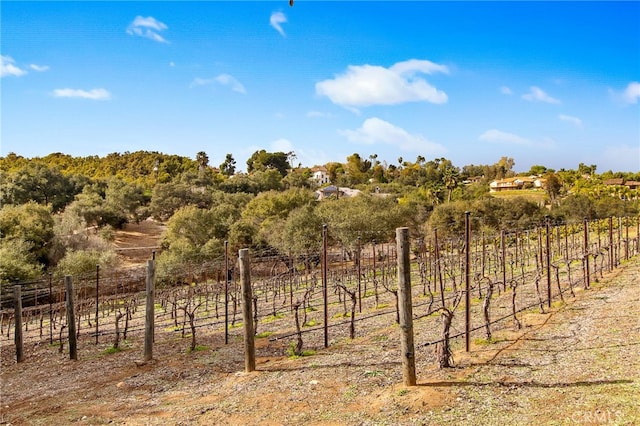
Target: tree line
{"x":59,"y":212}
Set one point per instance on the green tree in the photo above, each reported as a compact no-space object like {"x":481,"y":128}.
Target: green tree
{"x":82,"y":262}
{"x":263,"y":160}
{"x":202,"y":159}
{"x":228,"y":166}
{"x":30,"y":222}
{"x":17,"y":261}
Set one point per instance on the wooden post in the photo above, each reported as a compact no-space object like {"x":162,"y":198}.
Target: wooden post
{"x":50,"y":309}
{"x":587,"y":278}
{"x":548,"y":261}
{"x":406,"y":311}
{"x":71,"y":318}
{"x":149,"y":321}
{"x":97,"y":300}
{"x":17,"y":303}
{"x":467,"y":279}
{"x":325,"y":291}
{"x":226,"y":292}
{"x":359,"y":260}
{"x":247,"y":312}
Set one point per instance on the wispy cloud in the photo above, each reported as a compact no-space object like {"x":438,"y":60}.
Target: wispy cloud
{"x":570,"y":119}
{"x":377,"y":131}
{"x":230,"y":81}
{"x":223,"y":80}
{"x":366,"y":85}
{"x":539,"y":95}
{"x":506,"y":90}
{"x":276,"y":20}
{"x":632,"y":93}
{"x":498,"y":136}
{"x":8,"y":67}
{"x":319,"y":114}
{"x":148,"y":27}
{"x":94,"y":94}
{"x":39,"y":68}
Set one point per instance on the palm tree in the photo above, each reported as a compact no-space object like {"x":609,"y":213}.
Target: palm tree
{"x":202,"y":159}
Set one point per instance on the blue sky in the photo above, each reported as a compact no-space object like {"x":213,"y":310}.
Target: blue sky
{"x":547,"y":83}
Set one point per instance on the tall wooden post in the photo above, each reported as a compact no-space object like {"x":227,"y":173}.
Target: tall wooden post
{"x":149,"y":322}
{"x":359,"y":259}
{"x":611,"y":246}
{"x":548,"y":261}
{"x":247,"y":312}
{"x":17,"y":302}
{"x":97,"y":299}
{"x":406,"y":311}
{"x":467,"y":280}
{"x":50,"y":308}
{"x":71,"y":318}
{"x":325,"y":291}
{"x":587,"y":278}
{"x":226,"y":292}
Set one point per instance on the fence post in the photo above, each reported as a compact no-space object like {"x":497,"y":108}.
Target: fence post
{"x":71,"y":318}
{"x":97,"y":300}
{"x":587,"y":278}
{"x":611,"y":253}
{"x":17,"y":303}
{"x":325,"y":291}
{"x":50,"y":309}
{"x":548,"y":261}
{"x":467,"y":279}
{"x":226,"y":292}
{"x":406,"y":312}
{"x":359,"y":259}
{"x":149,"y":321}
{"x":247,"y":314}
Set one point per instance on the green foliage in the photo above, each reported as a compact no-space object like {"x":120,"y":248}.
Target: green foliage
{"x":84,"y":261}
{"x":369,"y":217}
{"x":262,"y":160}
{"x":228,"y":166}
{"x":30,"y":222}
{"x":35,"y":181}
{"x":17,"y":262}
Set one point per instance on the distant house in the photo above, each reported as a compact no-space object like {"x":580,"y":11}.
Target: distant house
{"x":614,"y":181}
{"x":632,"y":184}
{"x":334,"y":191}
{"x":320,"y":175}
{"x":518,"y":182}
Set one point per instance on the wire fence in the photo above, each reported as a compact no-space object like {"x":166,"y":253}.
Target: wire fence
{"x":330,"y":295}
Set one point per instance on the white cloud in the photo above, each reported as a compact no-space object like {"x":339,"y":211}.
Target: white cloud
{"x":228,"y":80}
{"x":94,"y":94}
{"x":498,"y":136}
{"x":376,"y":131}
{"x":366,"y":85}
{"x":39,"y":68}
{"x":276,"y":20}
{"x":222,"y":79}
{"x":537,"y":94}
{"x":7,"y":67}
{"x":632,"y":93}
{"x":147,"y":27}
{"x":319,"y":114}
{"x":570,"y":119}
{"x":506,"y":90}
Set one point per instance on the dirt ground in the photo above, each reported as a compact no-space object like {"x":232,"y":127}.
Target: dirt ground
{"x":136,"y":242}
{"x":578,"y":363}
